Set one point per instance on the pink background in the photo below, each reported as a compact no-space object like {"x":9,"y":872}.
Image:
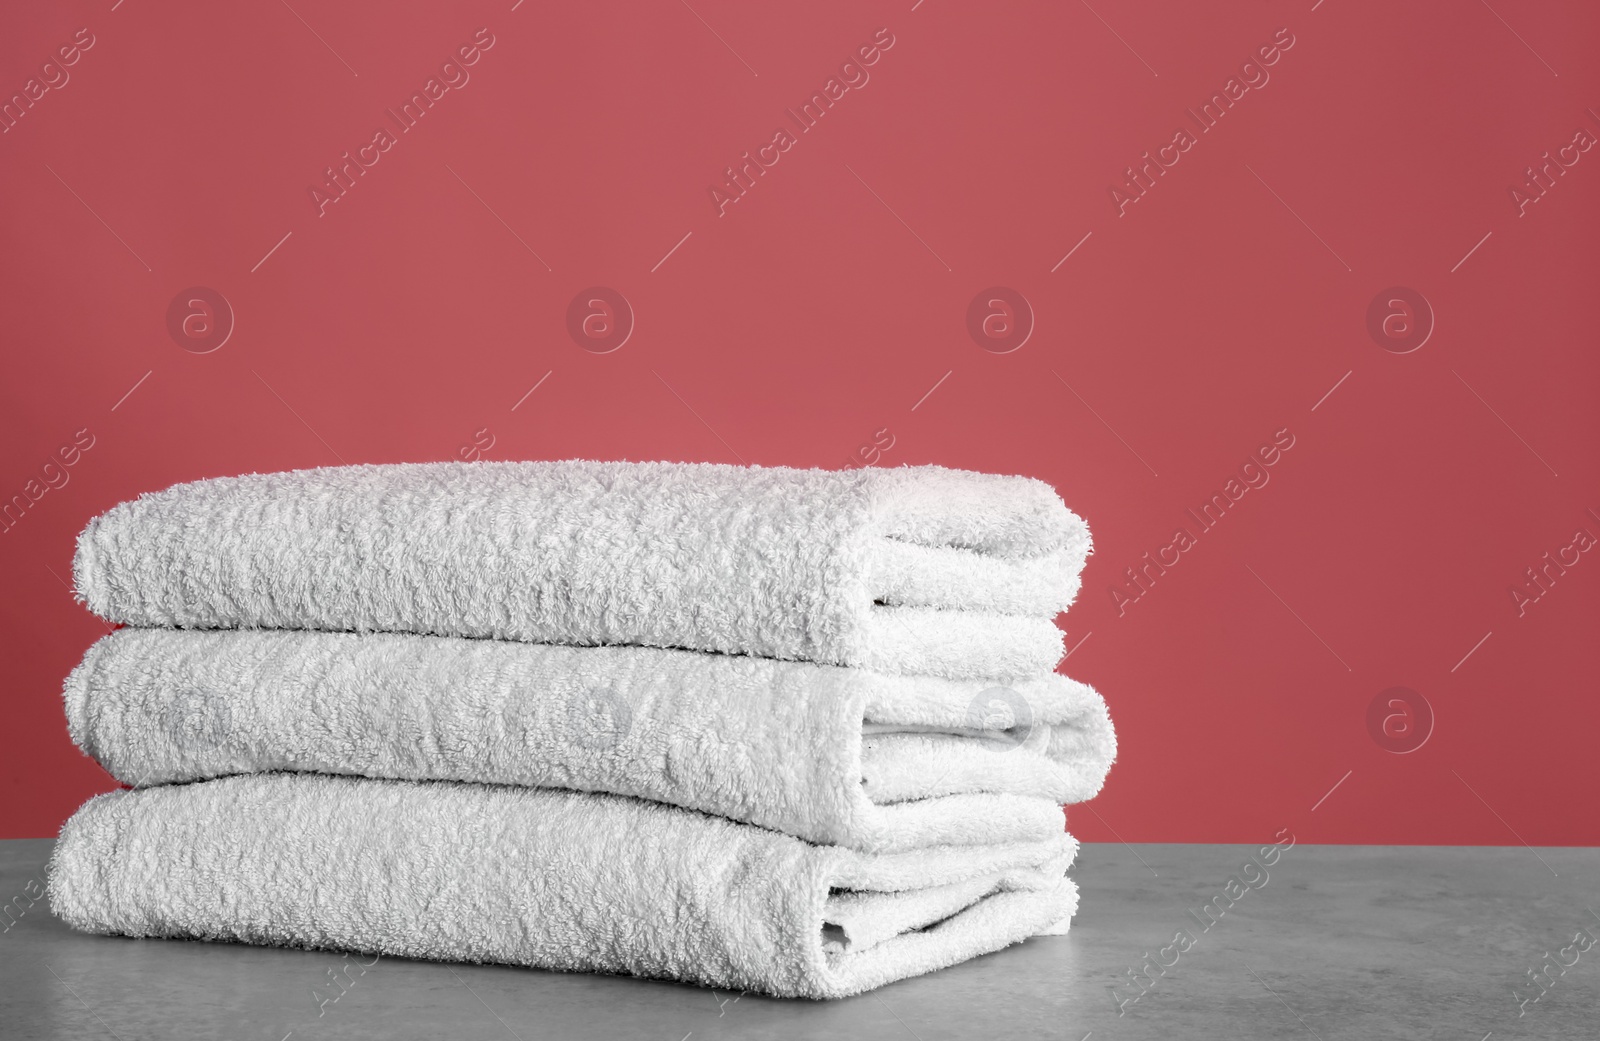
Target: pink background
{"x":826,"y":310}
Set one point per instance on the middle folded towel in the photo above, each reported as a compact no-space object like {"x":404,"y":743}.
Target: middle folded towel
{"x":834,"y":755}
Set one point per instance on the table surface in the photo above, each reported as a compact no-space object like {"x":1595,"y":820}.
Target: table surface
{"x":1338,"y":942}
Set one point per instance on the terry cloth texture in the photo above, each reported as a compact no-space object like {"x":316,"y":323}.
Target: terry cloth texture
{"x":559,"y":880}
{"x":871,"y":761}
{"x":916,"y":569}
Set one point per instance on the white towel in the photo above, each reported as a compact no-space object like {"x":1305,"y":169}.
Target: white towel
{"x":871,"y":761}
{"x":913,"y":569}
{"x":537,"y":877}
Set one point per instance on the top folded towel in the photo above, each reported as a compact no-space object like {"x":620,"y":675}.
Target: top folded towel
{"x":918,"y":569}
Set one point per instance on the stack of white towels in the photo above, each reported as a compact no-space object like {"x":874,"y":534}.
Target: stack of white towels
{"x":765,"y":729}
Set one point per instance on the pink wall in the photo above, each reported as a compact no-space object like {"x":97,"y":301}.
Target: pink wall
{"x":1174,"y":331}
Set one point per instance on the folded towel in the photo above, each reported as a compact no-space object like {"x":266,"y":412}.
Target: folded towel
{"x":846,"y":756}
{"x":558,"y":880}
{"x":915,"y":569}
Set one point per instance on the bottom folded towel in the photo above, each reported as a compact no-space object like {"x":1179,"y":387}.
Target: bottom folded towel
{"x":838,"y":756}
{"x":543,"y":878}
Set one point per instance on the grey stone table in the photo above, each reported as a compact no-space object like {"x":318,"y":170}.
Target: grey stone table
{"x":1333,"y":942}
